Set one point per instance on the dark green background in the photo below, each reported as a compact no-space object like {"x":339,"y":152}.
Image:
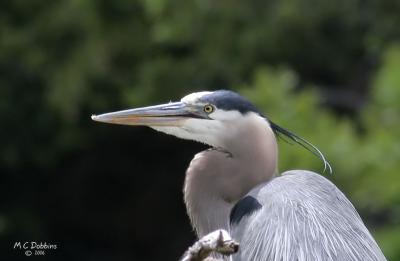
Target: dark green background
{"x":328,"y":70}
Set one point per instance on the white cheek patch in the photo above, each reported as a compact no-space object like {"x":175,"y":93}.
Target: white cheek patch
{"x":204,"y":131}
{"x":222,"y":115}
{"x":194,"y":97}
{"x":201,"y":126}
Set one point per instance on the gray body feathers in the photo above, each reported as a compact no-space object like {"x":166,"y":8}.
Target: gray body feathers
{"x":303,"y":217}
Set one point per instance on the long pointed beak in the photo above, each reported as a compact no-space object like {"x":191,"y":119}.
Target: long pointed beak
{"x":170,"y":114}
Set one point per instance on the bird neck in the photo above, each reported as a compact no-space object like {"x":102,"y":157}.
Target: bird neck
{"x":217,"y":178}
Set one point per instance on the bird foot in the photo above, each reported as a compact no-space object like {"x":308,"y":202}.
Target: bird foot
{"x":218,"y":241}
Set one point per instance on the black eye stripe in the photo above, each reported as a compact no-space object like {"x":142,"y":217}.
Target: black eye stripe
{"x":228,"y":101}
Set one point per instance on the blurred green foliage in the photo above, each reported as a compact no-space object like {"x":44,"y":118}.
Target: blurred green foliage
{"x":328,"y":70}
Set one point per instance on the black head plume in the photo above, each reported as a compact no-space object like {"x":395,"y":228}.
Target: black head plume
{"x":282,"y":132}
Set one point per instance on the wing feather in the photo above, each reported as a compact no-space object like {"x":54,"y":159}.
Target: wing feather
{"x":303,"y":217}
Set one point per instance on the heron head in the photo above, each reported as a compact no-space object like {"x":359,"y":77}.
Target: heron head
{"x":206,"y":117}
{"x":213,"y":118}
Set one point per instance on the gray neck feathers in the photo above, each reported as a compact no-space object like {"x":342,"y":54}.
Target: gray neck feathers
{"x":217,"y":178}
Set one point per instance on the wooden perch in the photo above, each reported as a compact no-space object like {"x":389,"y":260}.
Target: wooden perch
{"x":218,"y":241}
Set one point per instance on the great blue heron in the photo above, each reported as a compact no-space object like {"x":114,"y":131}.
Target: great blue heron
{"x":235,"y":185}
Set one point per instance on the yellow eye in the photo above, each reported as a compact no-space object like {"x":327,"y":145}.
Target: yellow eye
{"x":208,"y":108}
